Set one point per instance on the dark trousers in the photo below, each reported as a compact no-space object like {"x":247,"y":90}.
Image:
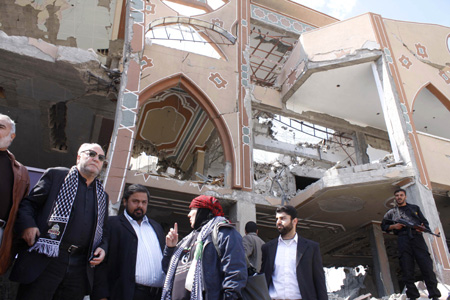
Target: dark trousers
{"x":146,"y":293}
{"x":64,"y":278}
{"x":8,"y":289}
{"x":415,"y":249}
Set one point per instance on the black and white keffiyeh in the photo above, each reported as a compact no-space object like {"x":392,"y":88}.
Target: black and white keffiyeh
{"x":197,"y":282}
{"x":49,"y":242}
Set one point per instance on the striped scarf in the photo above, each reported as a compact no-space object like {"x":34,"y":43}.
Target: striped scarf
{"x":197,"y":283}
{"x":49,"y":242}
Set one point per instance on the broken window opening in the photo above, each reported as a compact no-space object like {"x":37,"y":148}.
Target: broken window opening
{"x":103,"y":52}
{"x":176,"y":40}
{"x":57,"y":123}
{"x":338,"y":146}
{"x":269,"y":52}
{"x":301,"y":182}
{"x":317,"y":132}
{"x":193,"y":8}
{"x":189,"y":34}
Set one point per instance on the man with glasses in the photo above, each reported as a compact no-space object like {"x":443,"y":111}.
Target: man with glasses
{"x":62,"y":221}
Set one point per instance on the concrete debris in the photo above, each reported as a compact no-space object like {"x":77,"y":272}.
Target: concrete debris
{"x":389,"y":159}
{"x":353,"y":282}
{"x":348,"y":293}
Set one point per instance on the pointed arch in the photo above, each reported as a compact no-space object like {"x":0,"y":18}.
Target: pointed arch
{"x":435,"y":91}
{"x":430,"y":110}
{"x":179,"y":80}
{"x":438,"y":94}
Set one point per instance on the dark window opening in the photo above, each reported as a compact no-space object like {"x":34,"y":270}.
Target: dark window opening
{"x":103,"y":51}
{"x":58,"y":121}
{"x":302,"y":182}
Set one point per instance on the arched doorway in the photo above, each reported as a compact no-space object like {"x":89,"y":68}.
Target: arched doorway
{"x":179,"y":125}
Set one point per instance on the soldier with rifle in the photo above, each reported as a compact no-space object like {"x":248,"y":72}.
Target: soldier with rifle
{"x":407,"y":221}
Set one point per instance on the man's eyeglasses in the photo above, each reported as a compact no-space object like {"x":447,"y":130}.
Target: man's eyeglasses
{"x":93,"y":154}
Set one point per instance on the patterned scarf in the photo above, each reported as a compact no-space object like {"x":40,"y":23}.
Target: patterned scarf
{"x":49,"y":242}
{"x":197,"y":283}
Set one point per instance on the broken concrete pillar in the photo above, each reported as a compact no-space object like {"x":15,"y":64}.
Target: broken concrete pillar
{"x":241,"y":213}
{"x":382,"y":273}
{"x":359,"y":140}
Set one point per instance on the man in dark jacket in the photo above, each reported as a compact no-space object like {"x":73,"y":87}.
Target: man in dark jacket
{"x":411,"y":245}
{"x":291,"y":263}
{"x":194,"y":268}
{"x":62,"y":220}
{"x":14,"y":185}
{"x":133,"y":267}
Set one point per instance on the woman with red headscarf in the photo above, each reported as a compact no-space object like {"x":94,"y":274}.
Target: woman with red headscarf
{"x":194,"y":268}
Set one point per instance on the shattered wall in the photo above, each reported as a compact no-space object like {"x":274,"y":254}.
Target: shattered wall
{"x":83,"y":24}
{"x":37,"y":77}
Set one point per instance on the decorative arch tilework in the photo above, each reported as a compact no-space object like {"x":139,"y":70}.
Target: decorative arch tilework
{"x":218,"y":80}
{"x":217,"y":22}
{"x":146,"y":62}
{"x":130,"y":100}
{"x":278,"y":20}
{"x":137,"y":5}
{"x":138,"y":16}
{"x":246,"y":135}
{"x":445,"y":76}
{"x":404,"y":60}
{"x":421,"y":50}
{"x":387,"y":52}
{"x":128,"y":118}
{"x":406,"y":117}
{"x":150,"y":8}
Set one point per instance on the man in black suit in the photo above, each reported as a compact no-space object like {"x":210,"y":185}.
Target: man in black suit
{"x":292,"y":264}
{"x":133,"y":268}
{"x":62,"y":221}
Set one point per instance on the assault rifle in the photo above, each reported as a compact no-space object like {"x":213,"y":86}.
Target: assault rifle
{"x":411,"y":225}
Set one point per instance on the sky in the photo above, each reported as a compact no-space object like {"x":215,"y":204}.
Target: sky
{"x":428,"y":11}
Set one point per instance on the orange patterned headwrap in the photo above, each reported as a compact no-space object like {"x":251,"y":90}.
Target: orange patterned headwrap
{"x":208,"y":202}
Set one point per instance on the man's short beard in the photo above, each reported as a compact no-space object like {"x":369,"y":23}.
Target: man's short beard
{"x":5,"y":142}
{"x":136,"y":217}
{"x":285,"y":230}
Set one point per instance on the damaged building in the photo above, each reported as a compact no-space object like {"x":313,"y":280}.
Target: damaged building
{"x":256,"y":102}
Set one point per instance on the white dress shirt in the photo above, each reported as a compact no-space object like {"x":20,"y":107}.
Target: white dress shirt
{"x":284,"y":278}
{"x":149,"y":255}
